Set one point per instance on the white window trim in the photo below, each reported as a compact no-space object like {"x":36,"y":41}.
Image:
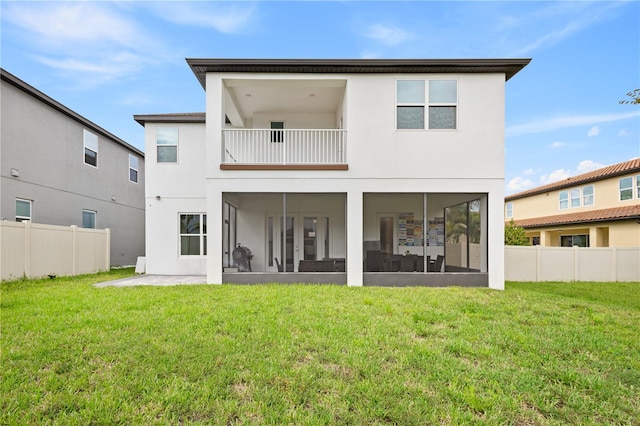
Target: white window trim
{"x":201,"y":235}
{"x":23,"y":218}
{"x":593,"y":195}
{"x":133,"y":168}
{"x":632,"y":188}
{"x":425,"y":105}
{"x":560,"y":200}
{"x":95,"y":218}
{"x":85,"y":132}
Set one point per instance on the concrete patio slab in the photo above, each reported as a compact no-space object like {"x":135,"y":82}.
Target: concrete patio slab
{"x":154,"y":280}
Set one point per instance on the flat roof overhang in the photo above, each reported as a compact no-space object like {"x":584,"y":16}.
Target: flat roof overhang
{"x":202,"y":66}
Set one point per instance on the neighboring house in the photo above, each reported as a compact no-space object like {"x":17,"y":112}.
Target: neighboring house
{"x":366,"y":172}
{"x":59,"y":168}
{"x":596,"y":209}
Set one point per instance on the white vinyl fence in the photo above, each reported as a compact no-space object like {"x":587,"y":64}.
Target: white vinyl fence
{"x":35,"y":250}
{"x":571,"y":263}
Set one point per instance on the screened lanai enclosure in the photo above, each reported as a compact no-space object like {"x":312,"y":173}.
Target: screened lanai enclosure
{"x":433,"y":239}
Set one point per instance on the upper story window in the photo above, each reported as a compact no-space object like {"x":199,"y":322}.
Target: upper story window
{"x":428,"y":104}
{"x":23,"y":209}
{"x":509,"y":209}
{"x":638,"y":186}
{"x":577,"y":197}
{"x":193,"y":234}
{"x":564,"y":199}
{"x":587,"y":195}
{"x":88,"y":219}
{"x":90,"y":148}
{"x":167,"y":144}
{"x":626,"y":188}
{"x":133,"y":168}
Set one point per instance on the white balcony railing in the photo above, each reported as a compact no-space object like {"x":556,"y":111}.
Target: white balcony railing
{"x":265,"y":146}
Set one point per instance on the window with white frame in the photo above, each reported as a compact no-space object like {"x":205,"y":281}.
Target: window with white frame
{"x":626,"y":188}
{"x":88,"y":219}
{"x":430,"y":104}
{"x":509,"y":209}
{"x":23,"y":209}
{"x":587,"y":195}
{"x":575,"y":197}
{"x":193,"y":234}
{"x":564,"y":199}
{"x":638,"y":186}
{"x":133,"y":168}
{"x":574,"y":240}
{"x":167,"y":144}
{"x":90,"y":148}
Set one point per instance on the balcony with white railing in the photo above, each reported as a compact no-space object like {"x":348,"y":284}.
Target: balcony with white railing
{"x":284,"y":149}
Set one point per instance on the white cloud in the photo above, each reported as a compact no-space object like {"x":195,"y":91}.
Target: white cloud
{"x":587,"y":166}
{"x":68,"y":24}
{"x":387,"y":35}
{"x":581,"y":16}
{"x":519,"y":183}
{"x":594,"y":131}
{"x":558,"y":145}
{"x":219,"y":16}
{"x":555,"y":123}
{"x":555,"y":176}
{"x":529,"y":172}
{"x":623,"y":133}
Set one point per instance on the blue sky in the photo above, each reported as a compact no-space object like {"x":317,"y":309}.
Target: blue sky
{"x":110,"y":60}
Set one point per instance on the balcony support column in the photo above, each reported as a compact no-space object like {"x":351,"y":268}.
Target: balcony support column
{"x":354,"y":227}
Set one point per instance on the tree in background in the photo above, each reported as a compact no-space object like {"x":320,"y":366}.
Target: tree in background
{"x":514,"y":235}
{"x":635,"y":97}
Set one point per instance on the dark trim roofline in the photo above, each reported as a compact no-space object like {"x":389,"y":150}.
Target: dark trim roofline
{"x":202,"y":66}
{"x":188,"y":117}
{"x":32,"y":91}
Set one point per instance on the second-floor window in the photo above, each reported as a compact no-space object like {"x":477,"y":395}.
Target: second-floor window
{"x":509,"y":209}
{"x":133,"y":168}
{"x":430,"y":104}
{"x":587,"y":195}
{"x":90,"y":148}
{"x":626,"y":188}
{"x":577,"y":197}
{"x":167,"y":144}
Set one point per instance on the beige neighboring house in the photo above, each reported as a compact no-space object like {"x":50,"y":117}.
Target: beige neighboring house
{"x":596,"y":209}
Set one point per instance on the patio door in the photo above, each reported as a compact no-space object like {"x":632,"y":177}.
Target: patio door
{"x":301,"y":240}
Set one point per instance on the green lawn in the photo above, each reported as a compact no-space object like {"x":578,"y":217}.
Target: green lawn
{"x":535,"y":354}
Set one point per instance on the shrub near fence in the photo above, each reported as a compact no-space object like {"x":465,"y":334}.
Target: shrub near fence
{"x":36,"y":250}
{"x":572,"y":263}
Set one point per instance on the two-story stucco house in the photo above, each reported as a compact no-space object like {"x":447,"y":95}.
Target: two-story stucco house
{"x":365,"y":172}
{"x":600,"y":208}
{"x":59,"y":168}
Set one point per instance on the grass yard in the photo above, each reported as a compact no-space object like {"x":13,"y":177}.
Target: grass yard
{"x":535,"y":354}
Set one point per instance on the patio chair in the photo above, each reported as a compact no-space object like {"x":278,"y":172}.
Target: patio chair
{"x":437,"y":265}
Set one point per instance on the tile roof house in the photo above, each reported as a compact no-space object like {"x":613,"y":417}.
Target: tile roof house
{"x":595,"y":209}
{"x":364,"y":172}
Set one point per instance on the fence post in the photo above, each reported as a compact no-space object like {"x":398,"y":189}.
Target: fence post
{"x":538,"y":263}
{"x":575,"y":263}
{"x":614,"y":264}
{"x":74,"y":248}
{"x":27,"y":248}
{"x":107,"y":262}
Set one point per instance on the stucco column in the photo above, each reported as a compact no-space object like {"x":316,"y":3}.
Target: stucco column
{"x":593,"y":237}
{"x":354,"y":238}
{"x":214,"y":231}
{"x":495,"y":239}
